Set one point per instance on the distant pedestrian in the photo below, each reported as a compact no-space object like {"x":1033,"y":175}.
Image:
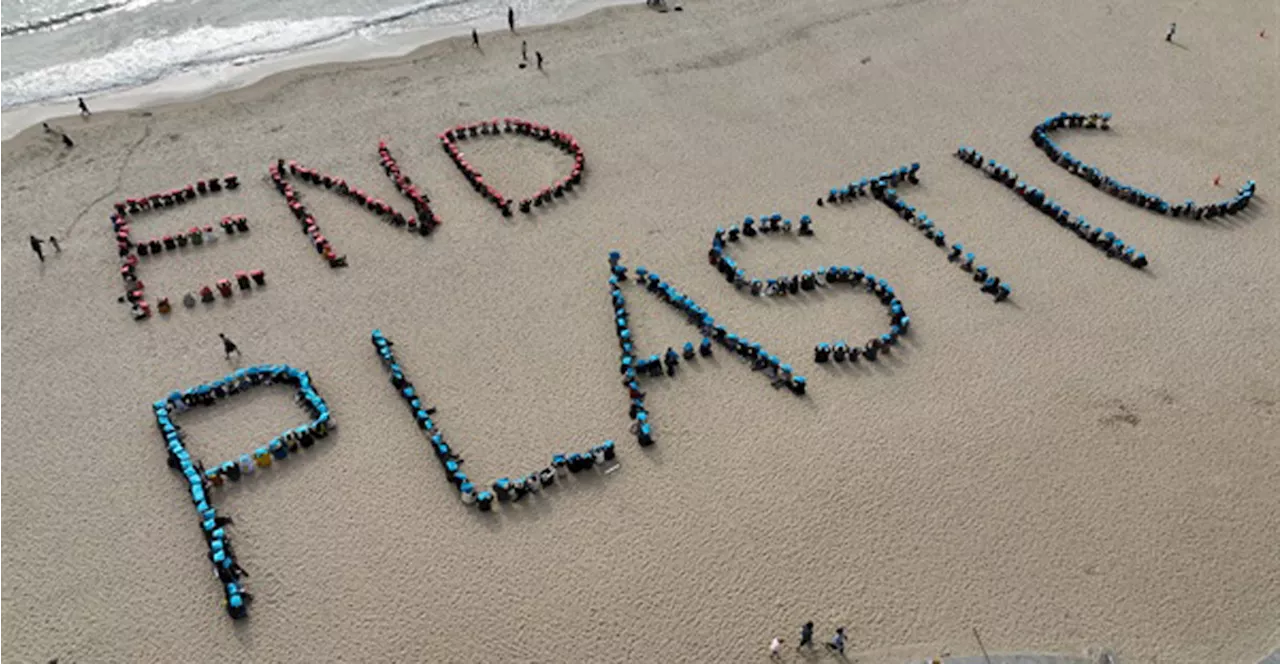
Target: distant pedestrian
{"x":36,"y":247}
{"x":47,"y":128}
{"x":837,"y":641}
{"x":1173,"y":27}
{"x":806,"y":635}
{"x":475,"y":38}
{"x":84,"y":108}
{"x":54,"y":241}
{"x":524,"y":50}
{"x":511,"y":19}
{"x":538,"y":54}
{"x":66,"y":140}
{"x":775,"y":648}
{"x":228,"y":346}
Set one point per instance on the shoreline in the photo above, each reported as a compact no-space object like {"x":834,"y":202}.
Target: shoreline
{"x":190,"y":87}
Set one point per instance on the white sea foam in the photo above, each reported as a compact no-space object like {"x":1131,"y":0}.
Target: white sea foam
{"x":196,"y":55}
{"x":147,"y":60}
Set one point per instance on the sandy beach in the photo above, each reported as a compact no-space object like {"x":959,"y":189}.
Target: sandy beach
{"x":1091,"y":465}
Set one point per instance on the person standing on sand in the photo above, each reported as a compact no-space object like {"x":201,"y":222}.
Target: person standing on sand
{"x":84,"y":108}
{"x":511,"y":19}
{"x":538,"y":54}
{"x":228,"y":346}
{"x":806,"y":635}
{"x":35,"y":246}
{"x":54,"y":241}
{"x":524,"y":50}
{"x":837,"y":641}
{"x":1173,"y":27}
{"x":66,"y":140}
{"x":475,"y":38}
{"x":775,"y":648}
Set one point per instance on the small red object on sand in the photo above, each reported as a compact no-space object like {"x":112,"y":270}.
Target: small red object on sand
{"x":1217,"y":180}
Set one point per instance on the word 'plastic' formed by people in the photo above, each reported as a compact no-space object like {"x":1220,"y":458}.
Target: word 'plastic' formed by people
{"x":1037,"y":198}
{"x":810,"y":280}
{"x":504,"y":489}
{"x":201,"y":480}
{"x":1100,"y":180}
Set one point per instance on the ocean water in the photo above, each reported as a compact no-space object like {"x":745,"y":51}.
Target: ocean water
{"x":56,"y":50}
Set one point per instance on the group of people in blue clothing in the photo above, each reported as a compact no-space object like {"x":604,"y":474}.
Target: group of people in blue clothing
{"x":1105,"y":240}
{"x":867,"y":186}
{"x":755,"y":354}
{"x":200,"y":480}
{"x":1099,"y":179}
{"x":810,"y":280}
{"x":884,"y":189}
{"x":504,"y":489}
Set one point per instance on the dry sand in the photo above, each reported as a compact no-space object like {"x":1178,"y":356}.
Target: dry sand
{"x":1093,"y":464}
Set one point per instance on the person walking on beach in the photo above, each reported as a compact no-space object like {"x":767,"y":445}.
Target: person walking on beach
{"x":837,"y":641}
{"x":54,"y":241}
{"x":66,"y":140}
{"x":524,"y":50}
{"x":538,"y":54}
{"x":35,"y":246}
{"x":775,"y":648}
{"x":84,"y":108}
{"x":228,"y":346}
{"x":1173,"y":27}
{"x":511,"y":19}
{"x":806,"y":635}
{"x":475,"y":38}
